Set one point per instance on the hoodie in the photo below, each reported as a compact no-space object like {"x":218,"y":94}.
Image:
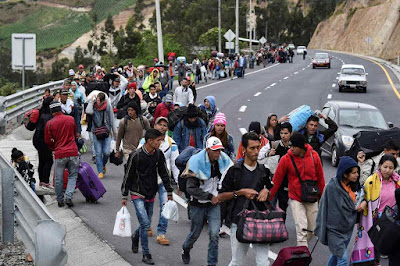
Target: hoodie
{"x":337,"y":215}
{"x":150,"y":79}
{"x":211,"y":112}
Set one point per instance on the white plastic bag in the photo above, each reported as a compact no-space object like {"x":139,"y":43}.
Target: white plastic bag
{"x":122,"y":226}
{"x":170,"y":211}
{"x":272,"y":162}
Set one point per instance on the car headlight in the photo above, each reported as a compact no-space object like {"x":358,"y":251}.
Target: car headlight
{"x":363,"y":83}
{"x":347,"y":140}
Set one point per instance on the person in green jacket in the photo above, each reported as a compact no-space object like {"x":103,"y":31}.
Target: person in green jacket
{"x":151,"y":79}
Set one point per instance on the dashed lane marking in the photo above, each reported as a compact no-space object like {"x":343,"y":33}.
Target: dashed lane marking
{"x":329,"y":96}
{"x":243,"y":130}
{"x":273,"y":84}
{"x":296,"y":73}
{"x":333,"y":85}
{"x":337,"y":77}
{"x":303,"y":69}
{"x":257,"y":94}
{"x":285,"y":77}
{"x":243,"y":108}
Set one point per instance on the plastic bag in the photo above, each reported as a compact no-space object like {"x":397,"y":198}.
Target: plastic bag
{"x":122,"y":226}
{"x":170,"y":211}
{"x":272,"y":162}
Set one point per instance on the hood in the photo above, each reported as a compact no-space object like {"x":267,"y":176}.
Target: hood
{"x":211,"y":100}
{"x":345,"y":163}
{"x":152,"y":73}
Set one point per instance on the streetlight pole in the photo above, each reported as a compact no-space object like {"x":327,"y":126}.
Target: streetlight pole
{"x":219,"y":26}
{"x":250,"y":31}
{"x":159,"y":33}
{"x":237,"y":27}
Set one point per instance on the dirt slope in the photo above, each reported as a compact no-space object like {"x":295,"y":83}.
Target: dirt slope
{"x":354,"y":21}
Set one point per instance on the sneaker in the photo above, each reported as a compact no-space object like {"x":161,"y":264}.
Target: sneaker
{"x":222,"y":233}
{"x":185,"y":256}
{"x":101,"y":175}
{"x":48,"y":185}
{"x":135,"y":244}
{"x":94,"y":158}
{"x":104,"y":169}
{"x":150,"y":232}
{"x":147,"y":259}
{"x":61,"y":204}
{"x":162,"y":240}
{"x":384,"y":256}
{"x":69,"y":203}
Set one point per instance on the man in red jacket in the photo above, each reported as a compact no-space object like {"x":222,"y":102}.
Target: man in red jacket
{"x":309,"y":167}
{"x":163,"y":109}
{"x":60,"y":135}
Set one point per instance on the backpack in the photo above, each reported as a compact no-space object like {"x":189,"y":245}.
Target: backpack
{"x":181,"y":163}
{"x":30,"y":119}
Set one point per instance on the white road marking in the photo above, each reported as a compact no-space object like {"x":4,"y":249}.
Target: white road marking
{"x":329,"y":96}
{"x":273,"y":84}
{"x":243,"y":108}
{"x":285,"y":77}
{"x":333,"y":85}
{"x":247,"y":74}
{"x":239,"y":118}
{"x":296,"y":73}
{"x":257,"y":94}
{"x":303,"y":69}
{"x":243,"y":130}
{"x":248,"y":100}
{"x":337,"y":77}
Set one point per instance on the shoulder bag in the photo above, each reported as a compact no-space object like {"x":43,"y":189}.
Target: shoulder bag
{"x":101,"y":132}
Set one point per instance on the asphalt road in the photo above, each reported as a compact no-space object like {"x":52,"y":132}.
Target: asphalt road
{"x":278,"y":88}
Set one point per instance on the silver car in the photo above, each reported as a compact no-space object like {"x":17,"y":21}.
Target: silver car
{"x":352,"y":77}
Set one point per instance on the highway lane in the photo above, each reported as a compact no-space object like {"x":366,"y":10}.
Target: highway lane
{"x":279,"y":89}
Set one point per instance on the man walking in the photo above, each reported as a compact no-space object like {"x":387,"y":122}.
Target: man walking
{"x":301,"y":164}
{"x":204,"y":171}
{"x":140,"y":181}
{"x":246,"y":180}
{"x":183,"y":94}
{"x":60,"y":135}
{"x":170,"y":150}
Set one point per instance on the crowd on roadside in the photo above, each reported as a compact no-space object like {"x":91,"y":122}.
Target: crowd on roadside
{"x":166,"y":140}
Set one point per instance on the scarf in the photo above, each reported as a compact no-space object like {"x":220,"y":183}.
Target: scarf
{"x":101,"y":107}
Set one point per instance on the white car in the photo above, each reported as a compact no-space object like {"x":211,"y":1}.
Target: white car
{"x":352,"y":77}
{"x":291,"y":46}
{"x":301,"y":49}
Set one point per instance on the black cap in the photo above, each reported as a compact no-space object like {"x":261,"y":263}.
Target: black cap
{"x":55,"y":107}
{"x":255,"y":127}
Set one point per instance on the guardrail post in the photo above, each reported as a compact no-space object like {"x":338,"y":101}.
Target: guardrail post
{"x":3,"y":121}
{"x":7,"y":205}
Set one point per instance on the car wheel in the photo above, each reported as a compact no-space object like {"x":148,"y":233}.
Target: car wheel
{"x":334,"y":158}
{"x":365,"y":89}
{"x":329,"y":66}
{"x":313,"y":67}
{"x":340,"y":88}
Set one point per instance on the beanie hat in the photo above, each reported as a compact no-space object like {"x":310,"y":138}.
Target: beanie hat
{"x":255,"y":127}
{"x":47,"y":100}
{"x":133,"y":104}
{"x":55,"y":107}
{"x":132,"y":85}
{"x":191,"y":111}
{"x":15,"y":154}
{"x":298,"y":140}
{"x":220,"y":118}
{"x":71,"y":72}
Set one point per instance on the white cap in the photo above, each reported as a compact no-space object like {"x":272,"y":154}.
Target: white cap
{"x":71,"y":72}
{"x":214,"y":144}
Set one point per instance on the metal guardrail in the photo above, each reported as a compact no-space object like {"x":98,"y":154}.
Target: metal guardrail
{"x":17,"y":104}
{"x":24,"y":211}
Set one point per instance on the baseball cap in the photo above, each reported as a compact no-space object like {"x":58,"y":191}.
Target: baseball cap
{"x":81,"y":66}
{"x":71,"y":72}
{"x":161,"y":118}
{"x":64,"y":92}
{"x":168,"y":98}
{"x":214,"y":144}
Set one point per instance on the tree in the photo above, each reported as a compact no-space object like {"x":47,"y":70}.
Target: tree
{"x":59,"y":68}
{"x":210,"y":38}
{"x":109,"y":28}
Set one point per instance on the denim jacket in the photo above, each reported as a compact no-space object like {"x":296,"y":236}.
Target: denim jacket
{"x":182,"y":134}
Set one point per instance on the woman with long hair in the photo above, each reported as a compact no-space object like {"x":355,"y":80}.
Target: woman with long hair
{"x":272,"y":127}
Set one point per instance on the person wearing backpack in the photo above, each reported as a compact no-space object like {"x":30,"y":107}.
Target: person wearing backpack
{"x":191,"y":130}
{"x":130,"y":130}
{"x":303,"y":168}
{"x":203,"y":173}
{"x":170,"y":151}
{"x":246,"y":180}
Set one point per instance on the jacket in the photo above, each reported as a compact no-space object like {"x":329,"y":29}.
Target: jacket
{"x":321,"y":136}
{"x":150,"y":80}
{"x":141,"y":173}
{"x":162,"y":110}
{"x":38,"y":138}
{"x":336,"y":213}
{"x":210,"y":112}
{"x":391,"y":243}
{"x":115,"y":93}
{"x":60,"y":135}
{"x":370,"y":166}
{"x":183,"y":95}
{"x":164,"y":79}
{"x":124,"y":102}
{"x":310,"y":168}
{"x":182,"y":133}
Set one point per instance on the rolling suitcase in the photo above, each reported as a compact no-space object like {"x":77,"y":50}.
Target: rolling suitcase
{"x":294,"y":256}
{"x":89,"y":183}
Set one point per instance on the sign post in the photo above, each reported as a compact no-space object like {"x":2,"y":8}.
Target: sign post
{"x":368,"y":40}
{"x":23,"y":53}
{"x":229,"y":36}
{"x":262,"y":41}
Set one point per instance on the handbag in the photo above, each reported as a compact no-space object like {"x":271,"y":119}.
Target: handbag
{"x":375,"y":233}
{"x":261,"y":227}
{"x":101,"y":132}
{"x":309,"y":189}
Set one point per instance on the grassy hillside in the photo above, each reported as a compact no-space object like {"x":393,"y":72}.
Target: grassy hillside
{"x":73,"y":3}
{"x":56,"y":27}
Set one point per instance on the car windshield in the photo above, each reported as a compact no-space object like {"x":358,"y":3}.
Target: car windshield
{"x":362,"y":118}
{"x":301,"y":47}
{"x":321,"y":56}
{"x":353,"y":71}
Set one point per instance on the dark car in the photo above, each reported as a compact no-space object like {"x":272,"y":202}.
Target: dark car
{"x":351,"y":117}
{"x":321,"y":60}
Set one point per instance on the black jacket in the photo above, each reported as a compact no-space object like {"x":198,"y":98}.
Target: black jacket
{"x":123,"y":103}
{"x":321,"y":136}
{"x":38,"y":137}
{"x":141,"y":174}
{"x":391,"y":244}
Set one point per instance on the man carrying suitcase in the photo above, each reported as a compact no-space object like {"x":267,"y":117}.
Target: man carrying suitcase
{"x":140,"y":181}
{"x":60,"y":135}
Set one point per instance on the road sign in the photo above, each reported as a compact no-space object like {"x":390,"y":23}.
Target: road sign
{"x":263,"y":40}
{"x":368,"y":40}
{"x":229,"y":45}
{"x":229,"y":35}
{"x":24,"y":51}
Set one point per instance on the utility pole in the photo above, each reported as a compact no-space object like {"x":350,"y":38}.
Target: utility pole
{"x":237,"y":27}
{"x":219,"y":26}
{"x":159,"y":33}
{"x":250,"y":31}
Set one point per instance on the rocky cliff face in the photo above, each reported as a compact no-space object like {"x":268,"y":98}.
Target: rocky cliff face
{"x":354,"y":21}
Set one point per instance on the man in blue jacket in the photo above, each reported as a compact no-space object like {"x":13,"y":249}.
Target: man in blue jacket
{"x":190,"y":131}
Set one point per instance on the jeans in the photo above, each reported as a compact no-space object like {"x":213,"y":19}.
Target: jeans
{"x":336,"y":261}
{"x":239,"y":251}
{"x":92,"y":141}
{"x":72,"y":164}
{"x":77,"y":118}
{"x":198,"y":216}
{"x":282,"y":196}
{"x":171,"y":83}
{"x":102,"y":148}
{"x":144,"y":211}
{"x":304,"y":216}
{"x":162,"y":222}
{"x":45,"y":164}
